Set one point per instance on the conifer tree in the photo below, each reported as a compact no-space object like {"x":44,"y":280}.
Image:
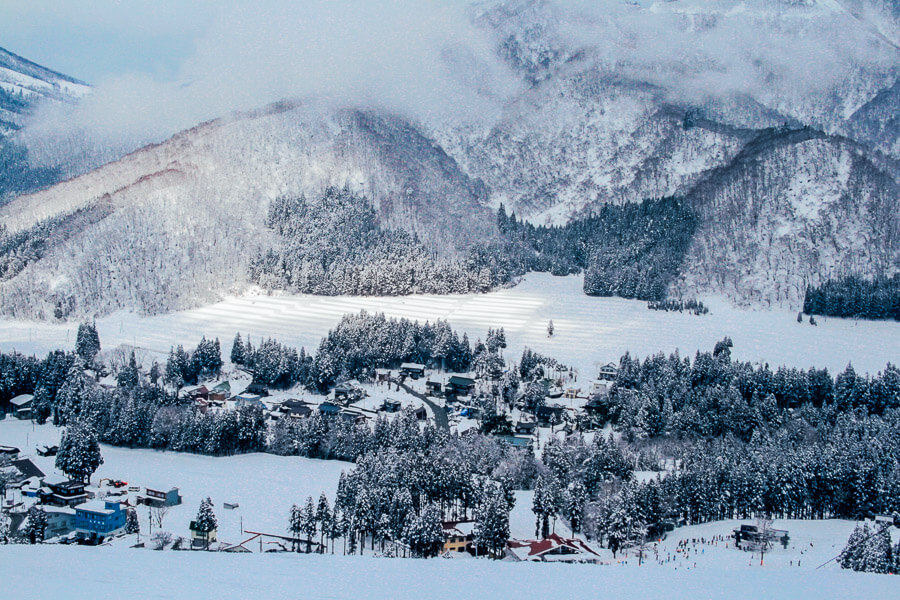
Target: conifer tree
{"x":37,"y":525}
{"x":206,"y":521}
{"x":87,"y":342}
{"x":79,"y":452}
{"x":132,"y":523}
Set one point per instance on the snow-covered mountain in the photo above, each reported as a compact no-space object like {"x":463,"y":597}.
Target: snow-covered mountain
{"x":786,"y":146}
{"x":23,"y":84}
{"x":177,"y":223}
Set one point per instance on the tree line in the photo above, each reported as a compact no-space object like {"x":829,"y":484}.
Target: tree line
{"x":855,"y":298}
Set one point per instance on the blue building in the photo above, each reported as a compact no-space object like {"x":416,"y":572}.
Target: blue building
{"x":99,"y":518}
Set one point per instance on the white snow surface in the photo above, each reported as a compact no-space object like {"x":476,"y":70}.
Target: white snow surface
{"x":588,"y":331}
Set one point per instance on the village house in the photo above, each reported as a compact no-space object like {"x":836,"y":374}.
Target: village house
{"x":97,"y":519}
{"x":550,"y":415}
{"x":526,"y":427}
{"x":433,"y":388}
{"x":202,"y":539}
{"x":60,"y":491}
{"x":10,"y":452}
{"x":329,"y":409}
{"x":158,"y":497}
{"x":296,"y":409}
{"x":382,"y":375}
{"x":348,"y":392}
{"x":553,"y":548}
{"x":21,"y":406}
{"x":256,"y":389}
{"x":60,"y":521}
{"x":459,"y":385}
{"x":608,"y":372}
{"x":412,"y":370}
{"x":458,"y":535}
{"x":390,"y":405}
{"x":21,"y":471}
{"x":220,"y":392}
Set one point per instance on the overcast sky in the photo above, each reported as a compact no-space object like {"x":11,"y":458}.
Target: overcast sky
{"x":163,"y":65}
{"x":94,"y":39}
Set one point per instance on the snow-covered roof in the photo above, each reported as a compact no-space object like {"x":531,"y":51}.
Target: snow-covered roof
{"x":536,"y":549}
{"x":54,"y":479}
{"x":416,"y":366}
{"x":22,"y":399}
{"x":97,"y":507}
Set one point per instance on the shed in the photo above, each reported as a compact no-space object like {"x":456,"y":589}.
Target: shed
{"x":21,"y":405}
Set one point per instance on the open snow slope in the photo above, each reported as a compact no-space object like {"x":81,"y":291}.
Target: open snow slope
{"x":150,"y":575}
{"x":588,"y":331}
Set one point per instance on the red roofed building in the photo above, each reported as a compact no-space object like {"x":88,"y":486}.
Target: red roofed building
{"x":553,"y":548}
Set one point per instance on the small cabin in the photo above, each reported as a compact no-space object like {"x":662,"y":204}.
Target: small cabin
{"x":420,"y":413}
{"x":609,"y":372}
{"x":460,"y":385}
{"x":257,"y":389}
{"x":526,"y":427}
{"x":412,"y":370}
{"x":382,"y":375}
{"x":158,"y":497}
{"x":390,"y":405}
{"x":433,"y":388}
{"x":201,"y":539}
{"x":21,"y":406}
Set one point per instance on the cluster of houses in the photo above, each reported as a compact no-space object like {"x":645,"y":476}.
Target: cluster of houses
{"x":459,"y":537}
{"x":73,"y":511}
{"x":340,"y":402}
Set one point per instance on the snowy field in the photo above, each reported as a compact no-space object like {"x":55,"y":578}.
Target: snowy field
{"x":124,"y":573}
{"x":588,"y":331}
{"x":265,"y":486}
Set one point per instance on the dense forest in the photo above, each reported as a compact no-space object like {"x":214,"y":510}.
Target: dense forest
{"x":633,"y":251}
{"x":856,"y":298}
{"x":335,"y":245}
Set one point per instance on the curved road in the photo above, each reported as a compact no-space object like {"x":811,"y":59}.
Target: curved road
{"x":440,"y":415}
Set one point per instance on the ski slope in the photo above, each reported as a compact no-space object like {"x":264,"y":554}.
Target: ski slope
{"x":265,"y":486}
{"x":589,"y":331}
{"x":152,"y":575}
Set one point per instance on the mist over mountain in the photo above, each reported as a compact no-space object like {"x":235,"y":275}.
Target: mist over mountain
{"x":774,"y":122}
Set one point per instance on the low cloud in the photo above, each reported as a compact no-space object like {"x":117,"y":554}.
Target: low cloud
{"x":432,"y":61}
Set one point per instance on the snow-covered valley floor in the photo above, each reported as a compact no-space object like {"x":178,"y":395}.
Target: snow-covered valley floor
{"x":588,"y":331}
{"x":265,"y":486}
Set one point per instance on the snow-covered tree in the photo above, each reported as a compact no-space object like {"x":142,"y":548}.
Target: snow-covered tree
{"x":35,"y":525}
{"x":295,"y":526}
{"x":79,"y":452}
{"x":206,"y":521}
{"x":424,"y":533}
{"x":132,"y":523}
{"x":308,"y":522}
{"x":491,"y":530}
{"x":87,"y":342}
